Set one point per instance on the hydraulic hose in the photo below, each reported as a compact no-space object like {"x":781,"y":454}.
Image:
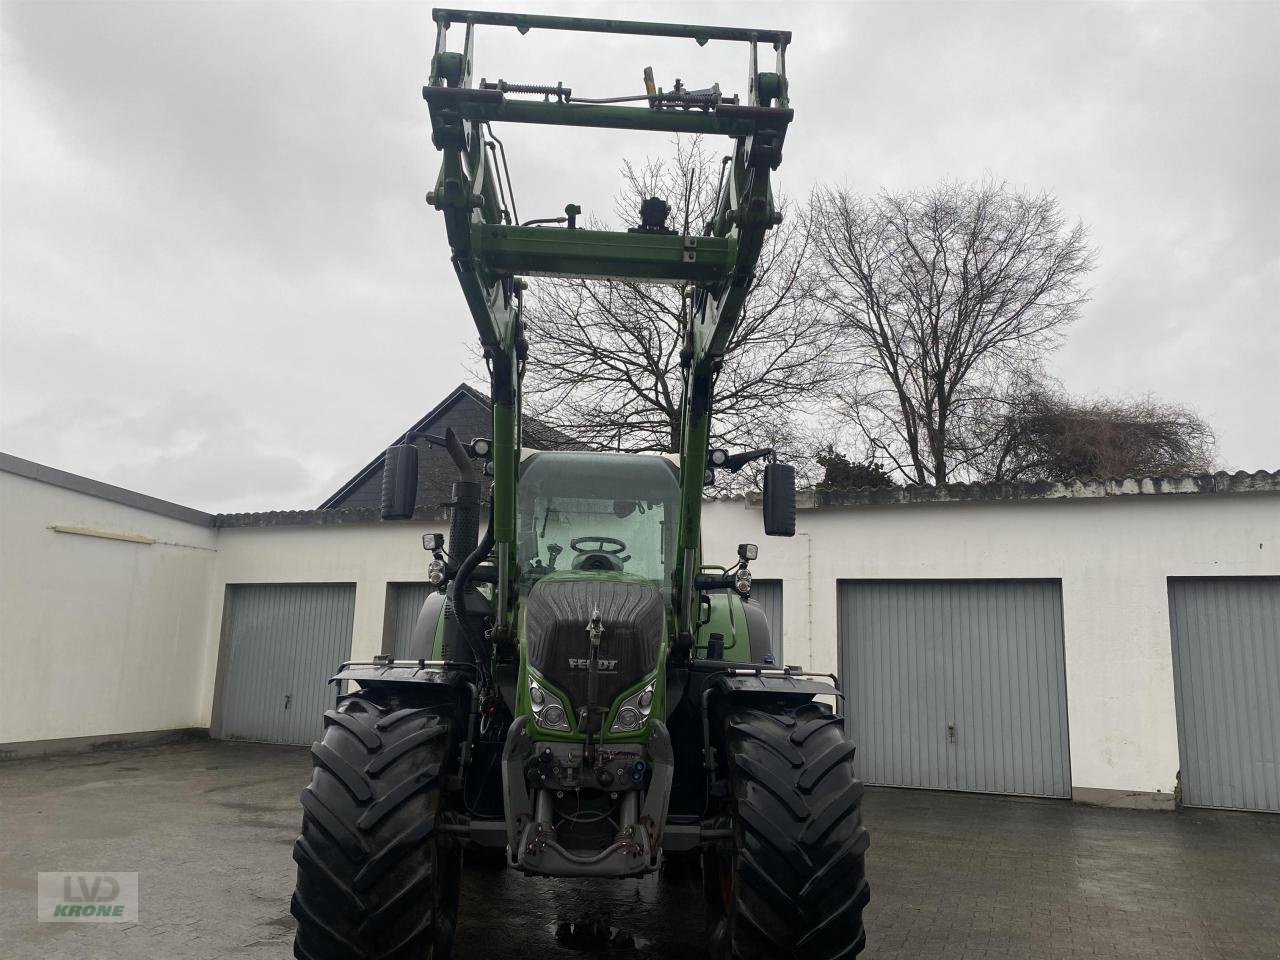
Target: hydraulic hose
{"x":456,"y":609}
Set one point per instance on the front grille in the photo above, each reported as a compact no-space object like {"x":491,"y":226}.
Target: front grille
{"x":556,"y":620}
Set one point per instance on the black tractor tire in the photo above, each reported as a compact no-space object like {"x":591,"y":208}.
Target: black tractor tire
{"x":792,"y":883}
{"x":376,"y":878}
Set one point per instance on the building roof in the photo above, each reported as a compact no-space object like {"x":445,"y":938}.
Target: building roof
{"x":103,"y":491}
{"x":470,"y":414}
{"x":1208,"y":484}
{"x":1260,"y":481}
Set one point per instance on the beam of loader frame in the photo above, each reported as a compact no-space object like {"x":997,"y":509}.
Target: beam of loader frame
{"x":585,"y":695}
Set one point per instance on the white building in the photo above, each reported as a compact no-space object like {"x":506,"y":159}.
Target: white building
{"x":1110,"y":642}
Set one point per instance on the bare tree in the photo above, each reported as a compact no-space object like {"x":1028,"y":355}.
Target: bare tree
{"x":1042,"y":434}
{"x":605,"y":365}
{"x":942,"y":298}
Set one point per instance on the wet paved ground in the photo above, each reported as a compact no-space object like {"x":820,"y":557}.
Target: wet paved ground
{"x":209,"y":828}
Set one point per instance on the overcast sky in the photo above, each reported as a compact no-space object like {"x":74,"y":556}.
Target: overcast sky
{"x":221,"y":284}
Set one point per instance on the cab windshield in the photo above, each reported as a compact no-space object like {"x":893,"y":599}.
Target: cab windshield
{"x":597,"y":512}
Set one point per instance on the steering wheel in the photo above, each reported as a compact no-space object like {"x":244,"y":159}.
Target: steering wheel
{"x":618,"y":546}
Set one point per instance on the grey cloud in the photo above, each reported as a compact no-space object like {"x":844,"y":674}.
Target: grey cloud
{"x":213,"y":223}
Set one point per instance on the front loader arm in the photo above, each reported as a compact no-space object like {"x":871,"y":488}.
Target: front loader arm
{"x":466,"y":192}
{"x":490,"y":250}
{"x":746,"y":213}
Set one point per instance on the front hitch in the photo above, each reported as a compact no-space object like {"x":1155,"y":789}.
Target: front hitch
{"x":534,"y":845}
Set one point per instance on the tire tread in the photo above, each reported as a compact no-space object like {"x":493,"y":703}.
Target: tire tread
{"x":799,"y":874}
{"x":368,"y":858}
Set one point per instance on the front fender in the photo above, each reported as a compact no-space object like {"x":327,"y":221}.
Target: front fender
{"x":784,"y":683}
{"x":408,"y":671}
{"x":453,"y":678}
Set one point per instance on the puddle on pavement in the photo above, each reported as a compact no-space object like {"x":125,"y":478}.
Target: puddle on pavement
{"x":507,"y":916}
{"x":595,"y":937}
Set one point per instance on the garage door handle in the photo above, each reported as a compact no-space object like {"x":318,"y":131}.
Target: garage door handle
{"x":288,"y":697}
{"x":951,"y":733}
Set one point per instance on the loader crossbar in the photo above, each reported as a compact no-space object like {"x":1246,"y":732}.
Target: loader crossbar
{"x":524,"y":22}
{"x":534,"y":251}
{"x":729,"y":119}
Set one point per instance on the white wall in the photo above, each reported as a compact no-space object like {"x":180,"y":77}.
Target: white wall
{"x":1113,"y":556}
{"x":98,"y":636}
{"x":103,"y":637}
{"x":370,"y":555}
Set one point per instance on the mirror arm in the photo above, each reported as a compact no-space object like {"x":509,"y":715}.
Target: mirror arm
{"x":737,"y":461}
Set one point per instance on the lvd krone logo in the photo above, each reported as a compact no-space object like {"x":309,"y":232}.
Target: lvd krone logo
{"x":86,"y":896}
{"x":83,"y":897}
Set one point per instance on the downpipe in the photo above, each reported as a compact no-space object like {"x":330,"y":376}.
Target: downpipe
{"x":464,"y":517}
{"x":461,"y":643}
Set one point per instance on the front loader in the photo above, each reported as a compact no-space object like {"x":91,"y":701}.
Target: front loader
{"x":587,"y":695}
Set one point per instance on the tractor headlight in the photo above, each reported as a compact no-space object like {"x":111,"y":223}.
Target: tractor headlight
{"x":633,"y":711}
{"x":435,"y":572}
{"x":742,"y":581}
{"x":553,"y":718}
{"x":548,"y":712}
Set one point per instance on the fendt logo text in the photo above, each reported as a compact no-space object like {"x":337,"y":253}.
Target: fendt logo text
{"x":87,"y":897}
{"x":581,"y":663}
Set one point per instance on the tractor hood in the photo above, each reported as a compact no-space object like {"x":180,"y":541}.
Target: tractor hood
{"x":557,"y":612}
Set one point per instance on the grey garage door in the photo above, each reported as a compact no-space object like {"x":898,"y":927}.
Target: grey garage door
{"x":1226,"y":671}
{"x":957,"y":684}
{"x":281,"y":643}
{"x":404,"y":603}
{"x":768,"y":593}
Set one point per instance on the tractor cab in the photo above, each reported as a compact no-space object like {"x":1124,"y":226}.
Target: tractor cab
{"x":583,"y":514}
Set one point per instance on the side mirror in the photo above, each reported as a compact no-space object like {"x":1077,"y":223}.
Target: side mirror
{"x":399,"y":481}
{"x":779,"y":500}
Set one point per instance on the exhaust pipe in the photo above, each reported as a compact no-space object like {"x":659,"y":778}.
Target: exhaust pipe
{"x":464,"y":517}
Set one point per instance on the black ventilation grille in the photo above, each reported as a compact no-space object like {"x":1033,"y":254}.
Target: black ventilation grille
{"x":556,"y":624}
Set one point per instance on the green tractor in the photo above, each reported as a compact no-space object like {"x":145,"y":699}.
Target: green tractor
{"x":586,"y":697}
